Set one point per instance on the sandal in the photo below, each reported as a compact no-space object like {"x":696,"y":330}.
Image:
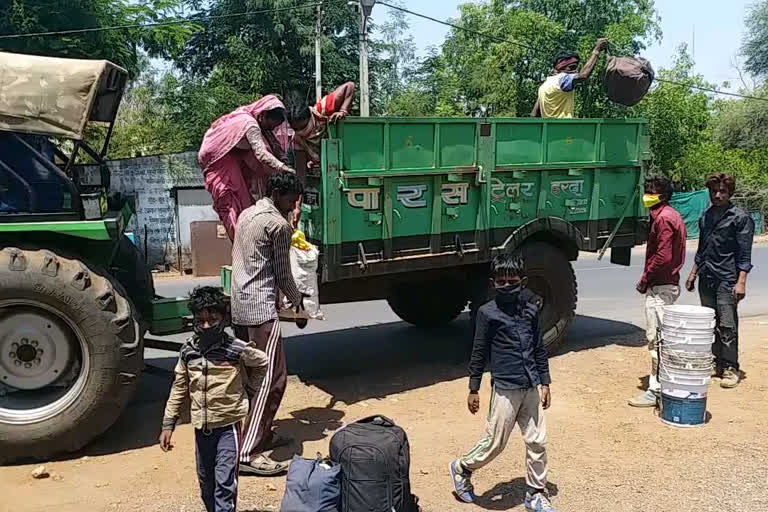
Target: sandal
{"x":264,"y":466}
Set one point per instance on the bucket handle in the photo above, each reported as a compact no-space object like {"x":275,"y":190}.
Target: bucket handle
{"x":683,"y":324}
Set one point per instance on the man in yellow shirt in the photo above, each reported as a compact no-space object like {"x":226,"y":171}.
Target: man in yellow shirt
{"x":556,"y":98}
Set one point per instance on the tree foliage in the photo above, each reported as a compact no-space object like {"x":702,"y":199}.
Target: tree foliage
{"x":273,"y":51}
{"x":123,"y":46}
{"x":742,"y":124}
{"x":755,"y":44}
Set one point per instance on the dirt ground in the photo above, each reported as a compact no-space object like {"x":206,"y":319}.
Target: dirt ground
{"x":603,"y":454}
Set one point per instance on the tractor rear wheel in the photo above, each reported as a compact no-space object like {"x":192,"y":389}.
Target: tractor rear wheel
{"x":70,"y":353}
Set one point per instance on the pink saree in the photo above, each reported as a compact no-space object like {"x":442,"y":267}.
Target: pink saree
{"x":233,"y":176}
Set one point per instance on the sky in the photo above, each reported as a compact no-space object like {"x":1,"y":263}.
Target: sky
{"x":718,"y":28}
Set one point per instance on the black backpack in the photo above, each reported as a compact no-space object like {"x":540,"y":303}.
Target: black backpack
{"x":375,"y":461}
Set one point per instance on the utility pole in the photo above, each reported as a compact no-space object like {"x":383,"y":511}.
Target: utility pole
{"x":366,"y":7}
{"x":693,"y":49}
{"x":318,"y":54}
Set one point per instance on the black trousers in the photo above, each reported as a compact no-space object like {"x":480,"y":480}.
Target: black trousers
{"x":217,"y":466}
{"x":718,"y":295}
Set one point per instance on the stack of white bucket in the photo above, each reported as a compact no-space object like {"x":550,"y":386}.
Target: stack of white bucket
{"x":685,"y":363}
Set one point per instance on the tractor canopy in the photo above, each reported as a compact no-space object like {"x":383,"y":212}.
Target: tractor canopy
{"x":57,"y":97}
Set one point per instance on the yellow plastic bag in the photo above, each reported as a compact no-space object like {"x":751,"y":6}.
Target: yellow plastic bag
{"x":299,"y":241}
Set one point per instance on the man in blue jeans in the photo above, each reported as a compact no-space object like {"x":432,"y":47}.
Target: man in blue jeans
{"x":723,"y":260}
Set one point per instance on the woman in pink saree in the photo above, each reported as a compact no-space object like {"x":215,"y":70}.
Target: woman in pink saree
{"x":239,"y":152}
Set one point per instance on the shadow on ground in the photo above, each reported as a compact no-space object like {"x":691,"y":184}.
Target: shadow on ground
{"x":391,"y":358}
{"x":508,"y":495}
{"x":351,"y":365}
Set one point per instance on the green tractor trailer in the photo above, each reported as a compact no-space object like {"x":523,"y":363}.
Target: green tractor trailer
{"x":402,"y":209}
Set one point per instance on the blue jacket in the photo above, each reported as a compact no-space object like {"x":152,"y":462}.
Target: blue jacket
{"x":510,"y":336}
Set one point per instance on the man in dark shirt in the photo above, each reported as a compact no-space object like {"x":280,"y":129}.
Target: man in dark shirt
{"x":664,"y":257}
{"x":508,"y":333}
{"x":723,"y":260}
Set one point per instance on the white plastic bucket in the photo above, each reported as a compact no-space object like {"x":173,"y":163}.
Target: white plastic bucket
{"x":685,"y":360}
{"x":690,"y":378}
{"x":684,"y":390}
{"x":686,"y":338}
{"x":687,"y":324}
{"x":691,"y":348}
{"x":691,"y":312}
{"x":691,"y":319}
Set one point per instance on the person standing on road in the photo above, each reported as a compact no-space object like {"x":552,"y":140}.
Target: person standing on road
{"x":556,"y":97}
{"x":261,"y":266}
{"x":210,"y":375}
{"x":660,"y":282}
{"x":723,"y":260}
{"x":507,"y":331}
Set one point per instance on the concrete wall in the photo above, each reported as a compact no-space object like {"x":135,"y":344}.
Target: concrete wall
{"x":151,"y":180}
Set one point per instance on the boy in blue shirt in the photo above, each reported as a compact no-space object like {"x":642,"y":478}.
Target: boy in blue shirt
{"x":507,"y":333}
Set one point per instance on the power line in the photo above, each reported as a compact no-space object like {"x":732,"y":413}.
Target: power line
{"x":528,"y":47}
{"x":459,"y":27}
{"x":708,"y":89}
{"x":159,"y":23}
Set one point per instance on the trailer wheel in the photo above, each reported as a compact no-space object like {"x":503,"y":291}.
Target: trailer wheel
{"x":551,"y":287}
{"x":70,"y":353}
{"x":552,"y":280}
{"x":427,"y":304}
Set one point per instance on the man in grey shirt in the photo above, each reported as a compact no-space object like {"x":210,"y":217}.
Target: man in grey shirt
{"x":261,"y":266}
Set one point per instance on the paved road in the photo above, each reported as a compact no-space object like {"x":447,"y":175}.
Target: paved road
{"x":369,"y":334}
{"x":606,"y":292}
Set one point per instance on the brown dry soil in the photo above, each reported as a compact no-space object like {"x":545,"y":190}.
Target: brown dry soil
{"x":604,"y":455}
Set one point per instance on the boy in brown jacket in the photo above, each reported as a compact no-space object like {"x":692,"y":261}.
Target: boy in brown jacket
{"x":211,"y":372}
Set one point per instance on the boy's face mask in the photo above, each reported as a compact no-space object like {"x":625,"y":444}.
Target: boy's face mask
{"x":209,"y":335}
{"x":651,"y":200}
{"x":209,"y":326}
{"x":508,"y":289}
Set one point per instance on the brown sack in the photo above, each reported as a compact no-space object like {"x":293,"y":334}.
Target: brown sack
{"x":627,"y":79}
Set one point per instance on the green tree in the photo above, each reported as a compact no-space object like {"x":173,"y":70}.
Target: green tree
{"x":428,"y":90}
{"x":755,"y":44}
{"x":742,"y":124}
{"x":273,"y":51}
{"x":492,"y":76}
{"x":122,"y":46}
{"x":394,"y":59}
{"x":192,"y":105}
